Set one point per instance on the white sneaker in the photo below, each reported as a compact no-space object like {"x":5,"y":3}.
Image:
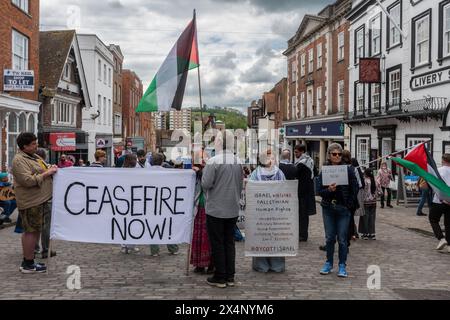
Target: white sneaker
{"x":445,"y":250}
{"x":441,"y":244}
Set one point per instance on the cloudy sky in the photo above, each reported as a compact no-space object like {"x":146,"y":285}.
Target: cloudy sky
{"x":240,"y":41}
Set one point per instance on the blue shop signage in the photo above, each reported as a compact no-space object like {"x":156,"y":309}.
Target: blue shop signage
{"x":321,"y":129}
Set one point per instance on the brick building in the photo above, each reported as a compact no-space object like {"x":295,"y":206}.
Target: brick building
{"x":138,"y":128}
{"x":64,"y":95}
{"x":317,"y":84}
{"x":118,"y":141}
{"x":19,"y":51}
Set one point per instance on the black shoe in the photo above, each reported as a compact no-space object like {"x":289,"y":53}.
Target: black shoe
{"x":323,"y":248}
{"x":216,"y":282}
{"x":34,"y":268}
{"x":421,"y":214}
{"x":302,"y":239}
{"x":210,"y":270}
{"x":199,"y":270}
{"x":44,"y":254}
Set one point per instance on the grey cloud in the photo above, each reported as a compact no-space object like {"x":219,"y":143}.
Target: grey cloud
{"x":116,"y":4}
{"x":226,"y":61}
{"x":257,"y":74}
{"x":283,"y":5}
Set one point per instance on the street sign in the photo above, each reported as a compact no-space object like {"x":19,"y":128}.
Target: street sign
{"x":18,"y":80}
{"x":101,"y":143}
{"x":63,"y":141}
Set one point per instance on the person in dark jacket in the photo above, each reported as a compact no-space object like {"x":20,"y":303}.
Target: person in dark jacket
{"x":337,"y":203}
{"x":306,"y":195}
{"x":286,"y":166}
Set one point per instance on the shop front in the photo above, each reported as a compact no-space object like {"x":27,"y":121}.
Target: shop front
{"x":316,"y":135}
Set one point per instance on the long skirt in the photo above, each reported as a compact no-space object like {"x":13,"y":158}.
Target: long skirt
{"x":201,"y":251}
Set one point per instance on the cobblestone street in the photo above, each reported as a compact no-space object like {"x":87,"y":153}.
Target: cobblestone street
{"x":404,"y":251}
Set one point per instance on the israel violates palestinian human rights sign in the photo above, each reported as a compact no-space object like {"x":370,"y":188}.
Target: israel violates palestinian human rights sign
{"x":123,"y":206}
{"x":271,"y":219}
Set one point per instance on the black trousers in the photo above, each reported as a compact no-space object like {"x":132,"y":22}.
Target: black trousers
{"x":223,"y":251}
{"x":303,"y":225}
{"x":389,"y":195}
{"x":436,"y":212}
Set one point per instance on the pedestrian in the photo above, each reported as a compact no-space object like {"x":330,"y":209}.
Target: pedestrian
{"x":222,"y":182}
{"x":201,"y":249}
{"x":384,"y":179}
{"x":81,"y":163}
{"x":367,"y":222}
{"x":129,"y":162}
{"x":100,"y":159}
{"x":441,"y":207}
{"x":157,"y":161}
{"x":45,"y":234}
{"x":426,"y":195}
{"x":289,"y":170}
{"x":33,"y":187}
{"x":268,"y":171}
{"x":306,"y":195}
{"x":337,"y":203}
{"x":64,"y":162}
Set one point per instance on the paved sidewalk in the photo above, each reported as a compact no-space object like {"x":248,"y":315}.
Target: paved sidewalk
{"x":404,"y":251}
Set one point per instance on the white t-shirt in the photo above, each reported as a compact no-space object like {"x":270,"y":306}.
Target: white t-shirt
{"x":445,"y":175}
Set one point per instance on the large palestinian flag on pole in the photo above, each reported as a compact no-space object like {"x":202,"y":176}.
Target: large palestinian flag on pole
{"x":419,"y":161}
{"x":166,"y":91}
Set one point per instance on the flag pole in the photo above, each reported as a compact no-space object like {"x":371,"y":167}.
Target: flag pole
{"x":391,"y":154}
{"x":199,"y":82}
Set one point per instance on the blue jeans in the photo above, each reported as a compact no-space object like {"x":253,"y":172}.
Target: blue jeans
{"x":425,"y":195}
{"x":9,"y":206}
{"x":336,"y":219}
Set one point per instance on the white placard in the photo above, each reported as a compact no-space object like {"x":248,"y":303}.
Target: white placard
{"x":271,"y":225}
{"x":123,"y":206}
{"x":335,"y":174}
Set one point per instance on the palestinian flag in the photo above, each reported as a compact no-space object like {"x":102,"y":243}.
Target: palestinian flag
{"x":419,"y":161}
{"x":166,"y":91}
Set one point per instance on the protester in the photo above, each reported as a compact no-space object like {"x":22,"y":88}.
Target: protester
{"x":222,"y":181}
{"x":100,"y":159}
{"x":33,"y":188}
{"x":306,"y":195}
{"x":201,"y":249}
{"x":354,"y":165}
{"x":367,"y":222}
{"x":337,"y":203}
{"x":426,"y":195}
{"x":45,"y":234}
{"x":8,"y":205}
{"x":289,"y":170}
{"x":81,"y":163}
{"x":156,"y":164}
{"x":441,"y":207}
{"x":141,"y":159}
{"x":384,"y":179}
{"x":64,"y":162}
{"x":129,"y":162}
{"x":268,"y":171}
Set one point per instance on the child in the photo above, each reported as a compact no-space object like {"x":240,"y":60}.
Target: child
{"x":367,"y":222}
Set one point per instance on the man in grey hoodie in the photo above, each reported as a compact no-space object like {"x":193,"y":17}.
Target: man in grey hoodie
{"x":222,"y":181}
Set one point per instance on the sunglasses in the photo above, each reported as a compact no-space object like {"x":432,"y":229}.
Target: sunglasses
{"x":336,"y":154}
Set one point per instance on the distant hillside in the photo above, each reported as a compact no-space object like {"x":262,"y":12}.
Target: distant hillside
{"x":233,"y":119}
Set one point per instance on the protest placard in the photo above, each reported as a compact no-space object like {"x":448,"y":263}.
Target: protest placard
{"x":123,"y":206}
{"x":271,"y":225}
{"x":335,"y":174}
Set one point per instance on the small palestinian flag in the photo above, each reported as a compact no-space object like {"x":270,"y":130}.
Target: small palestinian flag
{"x":419,"y":161}
{"x":166,"y":91}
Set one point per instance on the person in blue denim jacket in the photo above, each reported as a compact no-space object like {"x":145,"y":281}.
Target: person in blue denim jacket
{"x":7,"y":206}
{"x":337,"y":203}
